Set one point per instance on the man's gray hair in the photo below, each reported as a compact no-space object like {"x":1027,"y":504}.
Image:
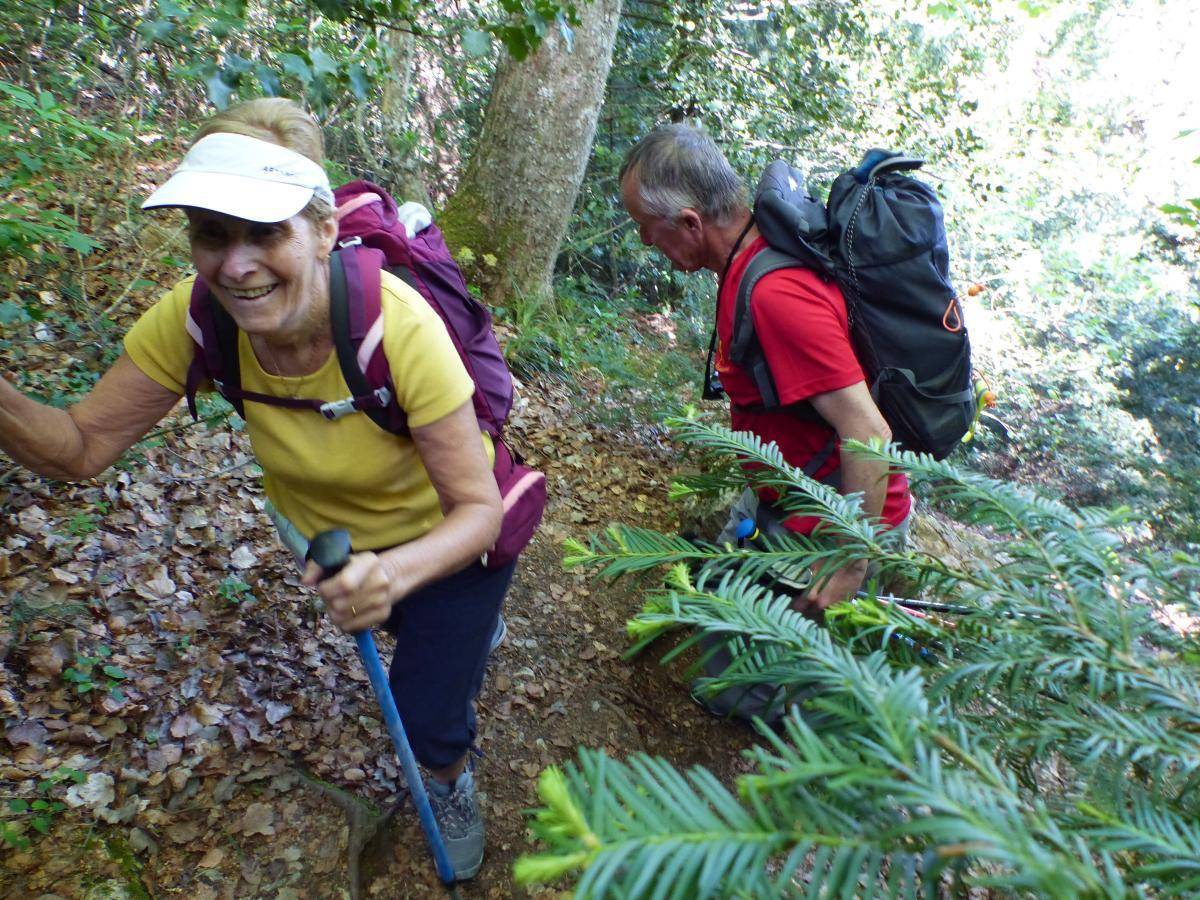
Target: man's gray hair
{"x":679,"y":167}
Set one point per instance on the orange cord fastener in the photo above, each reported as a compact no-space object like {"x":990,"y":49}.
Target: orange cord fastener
{"x":952,"y":307}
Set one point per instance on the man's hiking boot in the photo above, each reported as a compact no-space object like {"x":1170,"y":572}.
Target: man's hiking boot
{"x":769,"y":702}
{"x":460,"y":822}
{"x":762,"y":701}
{"x":499,"y":635}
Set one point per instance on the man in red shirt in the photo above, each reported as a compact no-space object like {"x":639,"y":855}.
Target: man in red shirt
{"x":689,"y":204}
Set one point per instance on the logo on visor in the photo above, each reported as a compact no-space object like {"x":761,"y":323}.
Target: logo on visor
{"x":272,"y":170}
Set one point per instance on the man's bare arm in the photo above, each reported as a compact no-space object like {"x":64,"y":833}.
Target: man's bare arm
{"x":854,"y":416}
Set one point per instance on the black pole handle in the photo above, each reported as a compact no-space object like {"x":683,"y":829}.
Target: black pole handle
{"x":331,"y":551}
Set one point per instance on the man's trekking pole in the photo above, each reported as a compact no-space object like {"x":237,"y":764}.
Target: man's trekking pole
{"x":330,"y":550}
{"x":920,"y":605}
{"x":930,"y":606}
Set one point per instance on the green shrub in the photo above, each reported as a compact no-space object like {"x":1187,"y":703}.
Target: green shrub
{"x":1043,"y":741}
{"x":39,"y":812}
{"x":39,"y":141}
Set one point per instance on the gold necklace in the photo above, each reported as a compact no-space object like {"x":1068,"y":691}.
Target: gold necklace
{"x":290,"y":383}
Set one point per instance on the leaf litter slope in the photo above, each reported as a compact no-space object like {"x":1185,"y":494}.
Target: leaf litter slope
{"x":226,"y":743}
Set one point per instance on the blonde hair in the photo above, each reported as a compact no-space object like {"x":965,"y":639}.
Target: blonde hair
{"x":280,"y":121}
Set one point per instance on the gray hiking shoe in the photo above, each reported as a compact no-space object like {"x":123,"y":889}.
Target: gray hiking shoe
{"x":460,"y":822}
{"x":753,"y":701}
{"x":768,"y":702}
{"x":499,"y":636}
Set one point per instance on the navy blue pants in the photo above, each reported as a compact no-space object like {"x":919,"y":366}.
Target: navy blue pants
{"x":443,"y":634}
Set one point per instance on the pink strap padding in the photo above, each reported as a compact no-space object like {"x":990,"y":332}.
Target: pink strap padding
{"x":194,"y":330}
{"x":527,"y":481}
{"x":370,"y":342}
{"x":357,"y":203}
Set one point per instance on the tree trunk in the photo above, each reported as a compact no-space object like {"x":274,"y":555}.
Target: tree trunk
{"x":395,"y":113}
{"x":519,"y":189}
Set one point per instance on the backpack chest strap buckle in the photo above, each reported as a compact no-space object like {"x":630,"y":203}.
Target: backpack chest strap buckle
{"x":336,"y":409}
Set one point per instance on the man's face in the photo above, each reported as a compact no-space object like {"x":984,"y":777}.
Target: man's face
{"x":681,"y":242}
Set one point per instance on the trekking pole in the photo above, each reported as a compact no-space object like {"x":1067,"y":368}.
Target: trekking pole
{"x":923,"y":605}
{"x":330,"y":550}
{"x":929,"y":606}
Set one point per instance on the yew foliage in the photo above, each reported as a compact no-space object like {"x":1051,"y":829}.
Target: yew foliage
{"x":1045,"y":740}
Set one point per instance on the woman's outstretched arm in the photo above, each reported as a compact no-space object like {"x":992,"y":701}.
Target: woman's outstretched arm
{"x":81,"y":442}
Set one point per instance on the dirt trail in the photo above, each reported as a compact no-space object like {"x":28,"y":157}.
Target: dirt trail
{"x":213,"y":751}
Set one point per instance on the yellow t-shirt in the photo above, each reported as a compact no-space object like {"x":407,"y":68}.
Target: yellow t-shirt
{"x":346,"y":474}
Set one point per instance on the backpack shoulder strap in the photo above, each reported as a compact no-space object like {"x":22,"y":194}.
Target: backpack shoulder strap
{"x":744,"y":346}
{"x":227,"y":341}
{"x":746,"y":350}
{"x":356,"y":319}
{"x":215,"y":335}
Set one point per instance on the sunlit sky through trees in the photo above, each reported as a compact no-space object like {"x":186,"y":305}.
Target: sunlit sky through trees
{"x":1146,"y":74}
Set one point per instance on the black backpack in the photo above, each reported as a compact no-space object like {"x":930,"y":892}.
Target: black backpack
{"x":883,"y":240}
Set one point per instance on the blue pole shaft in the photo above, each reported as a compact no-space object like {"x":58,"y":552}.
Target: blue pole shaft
{"x":331,"y":550}
{"x":408,"y":763}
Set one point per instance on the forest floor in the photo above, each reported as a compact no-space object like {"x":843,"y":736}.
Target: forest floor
{"x":196,"y":727}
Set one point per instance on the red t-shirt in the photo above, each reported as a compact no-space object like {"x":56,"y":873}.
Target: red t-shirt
{"x":801,"y":323}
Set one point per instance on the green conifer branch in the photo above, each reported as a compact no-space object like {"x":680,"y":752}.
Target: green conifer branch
{"x":1047,"y":742}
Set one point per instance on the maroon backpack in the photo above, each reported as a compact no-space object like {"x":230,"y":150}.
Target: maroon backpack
{"x":372,"y":237}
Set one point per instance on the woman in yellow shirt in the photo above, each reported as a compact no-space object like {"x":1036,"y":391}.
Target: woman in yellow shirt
{"x":261,"y":229}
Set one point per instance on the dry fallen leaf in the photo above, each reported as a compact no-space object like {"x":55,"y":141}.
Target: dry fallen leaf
{"x":141,"y":842}
{"x":31,"y":520}
{"x":212,"y":859}
{"x":183,"y":832}
{"x":184,"y":725}
{"x":207,"y":714}
{"x":64,"y":576}
{"x":95,"y":793}
{"x":193,"y":517}
{"x":243,"y":558}
{"x":163,"y":756}
{"x":159,"y":587}
{"x":259,"y":818}
{"x":27,"y":734}
{"x":47,"y":659}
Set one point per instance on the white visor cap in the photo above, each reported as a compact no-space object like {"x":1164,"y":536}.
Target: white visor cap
{"x":244,"y":177}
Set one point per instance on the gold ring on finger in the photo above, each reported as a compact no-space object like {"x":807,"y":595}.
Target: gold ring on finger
{"x":353,"y":611}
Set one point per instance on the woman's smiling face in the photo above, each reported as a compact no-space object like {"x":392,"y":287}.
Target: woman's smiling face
{"x":271,"y":277}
